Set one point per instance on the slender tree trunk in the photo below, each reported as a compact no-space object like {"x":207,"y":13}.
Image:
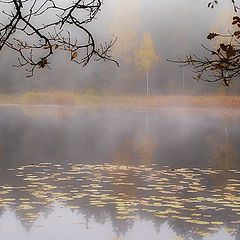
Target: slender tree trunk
{"x":147,"y":120}
{"x":183,"y":80}
{"x":147,"y":83}
{"x":226,"y":145}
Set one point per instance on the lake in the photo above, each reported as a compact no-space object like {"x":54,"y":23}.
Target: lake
{"x":75,"y":173}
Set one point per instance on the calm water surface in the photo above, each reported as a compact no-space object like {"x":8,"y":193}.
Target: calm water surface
{"x":71,"y":173}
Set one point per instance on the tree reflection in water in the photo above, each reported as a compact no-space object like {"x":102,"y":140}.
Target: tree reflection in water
{"x":125,"y":194}
{"x":116,"y":171}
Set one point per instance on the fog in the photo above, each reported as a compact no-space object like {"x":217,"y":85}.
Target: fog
{"x":69,"y":171}
{"x":175,"y":138}
{"x":122,"y":152}
{"x":177,"y":27}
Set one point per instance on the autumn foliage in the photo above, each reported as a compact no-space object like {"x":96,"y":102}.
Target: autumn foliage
{"x":222,"y":63}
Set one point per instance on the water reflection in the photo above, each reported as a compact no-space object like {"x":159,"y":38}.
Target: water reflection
{"x":96,"y":170}
{"x":121,"y":195}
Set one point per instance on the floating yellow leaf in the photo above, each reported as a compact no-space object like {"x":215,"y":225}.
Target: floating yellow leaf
{"x":213,"y":228}
{"x":197,"y":222}
{"x":217,"y":223}
{"x":160,"y":216}
{"x":229,"y":229}
{"x":203,"y":233}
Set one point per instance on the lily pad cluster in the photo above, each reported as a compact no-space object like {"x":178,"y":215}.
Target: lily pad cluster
{"x":127,"y":194}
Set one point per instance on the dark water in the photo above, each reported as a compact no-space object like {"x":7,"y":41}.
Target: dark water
{"x":69,"y":173}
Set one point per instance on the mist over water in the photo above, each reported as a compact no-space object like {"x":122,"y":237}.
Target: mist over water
{"x":177,"y":138}
{"x":107,"y":173}
{"x":118,"y":153}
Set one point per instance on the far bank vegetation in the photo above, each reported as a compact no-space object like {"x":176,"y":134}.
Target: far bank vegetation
{"x":92,"y":97}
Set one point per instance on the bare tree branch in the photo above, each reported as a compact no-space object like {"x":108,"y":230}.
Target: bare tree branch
{"x":35,"y":29}
{"x":221,"y":63}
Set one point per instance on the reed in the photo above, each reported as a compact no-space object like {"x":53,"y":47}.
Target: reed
{"x":131,"y":101}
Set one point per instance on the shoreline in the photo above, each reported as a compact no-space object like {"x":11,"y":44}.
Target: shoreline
{"x":71,"y":99}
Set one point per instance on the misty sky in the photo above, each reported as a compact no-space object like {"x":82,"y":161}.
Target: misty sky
{"x":177,"y":27}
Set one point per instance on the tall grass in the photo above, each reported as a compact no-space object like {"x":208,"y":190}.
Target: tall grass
{"x":175,"y":101}
{"x":92,"y":97}
{"x":59,"y":98}
{"x":8,"y":99}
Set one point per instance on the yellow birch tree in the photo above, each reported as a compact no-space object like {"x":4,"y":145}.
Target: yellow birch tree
{"x":146,"y":59}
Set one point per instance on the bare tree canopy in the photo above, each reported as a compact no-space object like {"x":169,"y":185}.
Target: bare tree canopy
{"x":35,"y":29}
{"x":222,"y":63}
